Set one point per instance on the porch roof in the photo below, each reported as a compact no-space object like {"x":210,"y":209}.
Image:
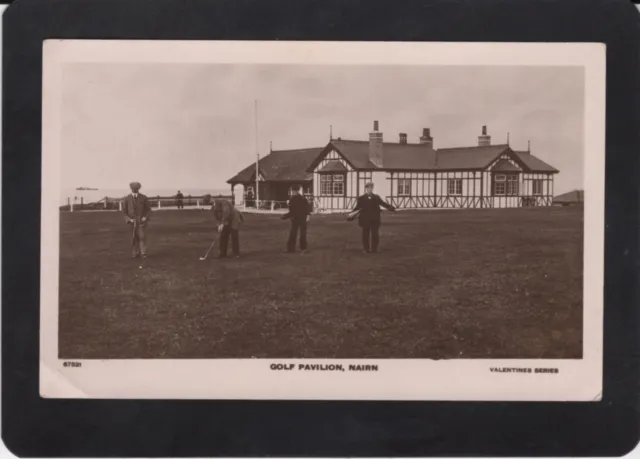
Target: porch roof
{"x":281,"y":165}
{"x":505,"y":166}
{"x":333,"y":166}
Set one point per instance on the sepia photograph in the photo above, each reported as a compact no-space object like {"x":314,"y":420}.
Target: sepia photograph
{"x":322,"y":220}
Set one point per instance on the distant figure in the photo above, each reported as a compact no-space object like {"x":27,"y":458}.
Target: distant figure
{"x":299,"y":214}
{"x":250,"y":197}
{"x":179,"y":198}
{"x":136,"y":209}
{"x":368,"y":212}
{"x":229,"y":221}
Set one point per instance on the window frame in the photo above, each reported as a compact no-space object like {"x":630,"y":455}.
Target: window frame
{"x":454,"y":182}
{"x":401,"y":186}
{"x":328,"y":180}
{"x":535,"y":182}
{"x":513,"y":185}
{"x":510,"y":184}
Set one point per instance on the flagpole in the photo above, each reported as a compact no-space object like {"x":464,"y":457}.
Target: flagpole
{"x":257,"y":155}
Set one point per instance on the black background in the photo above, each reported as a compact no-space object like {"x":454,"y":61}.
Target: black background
{"x":32,"y":426}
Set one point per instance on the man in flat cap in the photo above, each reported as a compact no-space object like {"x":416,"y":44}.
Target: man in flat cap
{"x":229,"y":221}
{"x":136,"y":210}
{"x":368,"y":212}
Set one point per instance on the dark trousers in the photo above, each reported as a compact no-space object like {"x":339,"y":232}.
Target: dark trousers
{"x":139,"y":240}
{"x":224,"y":240}
{"x":370,"y":236}
{"x":296,"y":226}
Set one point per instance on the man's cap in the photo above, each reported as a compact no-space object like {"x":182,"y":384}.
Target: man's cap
{"x":135,"y":185}
{"x":368,"y":185}
{"x":296,"y":187}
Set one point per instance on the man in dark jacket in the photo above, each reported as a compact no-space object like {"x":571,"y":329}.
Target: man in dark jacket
{"x":229,"y":221}
{"x":136,"y":209}
{"x":368,"y":211}
{"x":179,"y":200}
{"x":299,"y":211}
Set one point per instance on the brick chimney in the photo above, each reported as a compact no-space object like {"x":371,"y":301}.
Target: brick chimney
{"x":484,"y":140}
{"x":426,"y":138}
{"x":376,"y":153}
{"x":403,"y":138}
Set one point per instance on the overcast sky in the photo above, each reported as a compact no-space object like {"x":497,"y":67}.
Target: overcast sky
{"x":192,"y":125}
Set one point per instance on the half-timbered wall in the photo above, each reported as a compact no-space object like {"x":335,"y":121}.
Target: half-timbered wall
{"x":365,"y":177}
{"x":536,"y":189}
{"x":442,"y":189}
{"x":380,"y":183}
{"x":458,"y":189}
{"x":509,"y":193}
{"x":410,"y":190}
{"x":327,"y":201}
{"x":533,"y":189}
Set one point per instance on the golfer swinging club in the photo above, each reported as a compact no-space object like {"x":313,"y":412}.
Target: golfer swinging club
{"x":229,"y":221}
{"x":136,"y":209}
{"x":368,"y":212}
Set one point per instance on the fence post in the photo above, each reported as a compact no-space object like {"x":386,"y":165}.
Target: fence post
{"x":273,"y":205}
{"x":120,"y":205}
{"x":105,"y":202}
{"x":198,"y":203}
{"x":159,"y":204}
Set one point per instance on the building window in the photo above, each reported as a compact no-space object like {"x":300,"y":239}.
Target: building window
{"x":505,"y":185}
{"x":332,"y":184}
{"x":499,"y":185}
{"x":454,"y":187}
{"x":404,"y":187}
{"x":512,"y":185}
{"x":537,"y":186}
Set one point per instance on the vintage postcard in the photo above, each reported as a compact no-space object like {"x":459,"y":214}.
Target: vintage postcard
{"x":322,"y":220}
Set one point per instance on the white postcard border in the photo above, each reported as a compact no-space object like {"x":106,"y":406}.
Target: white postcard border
{"x":396,"y":379}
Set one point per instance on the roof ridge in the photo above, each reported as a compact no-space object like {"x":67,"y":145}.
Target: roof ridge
{"x":474,"y":146}
{"x":296,"y":149}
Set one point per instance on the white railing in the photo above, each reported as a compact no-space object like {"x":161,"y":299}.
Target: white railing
{"x":156,"y":202}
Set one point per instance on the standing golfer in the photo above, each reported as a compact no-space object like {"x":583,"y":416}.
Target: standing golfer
{"x":136,"y":210}
{"x":368,"y":211}
{"x":229,"y":221}
{"x":299,"y":214}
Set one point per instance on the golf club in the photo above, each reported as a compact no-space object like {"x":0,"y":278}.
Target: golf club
{"x":210,"y":247}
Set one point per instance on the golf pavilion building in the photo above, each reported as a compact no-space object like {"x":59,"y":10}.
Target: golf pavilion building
{"x":407,"y":175}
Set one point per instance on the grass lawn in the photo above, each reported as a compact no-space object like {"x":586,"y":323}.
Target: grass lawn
{"x":446,"y":284}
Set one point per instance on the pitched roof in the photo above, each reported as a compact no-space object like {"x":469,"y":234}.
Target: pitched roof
{"x":413,"y":156}
{"x":534,"y":164}
{"x":333,"y":166}
{"x":469,"y":157}
{"x":505,"y":166}
{"x":297,"y":165}
{"x":281,"y":165}
{"x":396,"y":155}
{"x":571,"y":196}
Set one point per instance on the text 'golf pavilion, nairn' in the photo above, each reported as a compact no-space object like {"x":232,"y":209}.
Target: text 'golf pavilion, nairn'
{"x":407,"y":175}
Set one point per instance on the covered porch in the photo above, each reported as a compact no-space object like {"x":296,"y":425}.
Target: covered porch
{"x":271,"y":194}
